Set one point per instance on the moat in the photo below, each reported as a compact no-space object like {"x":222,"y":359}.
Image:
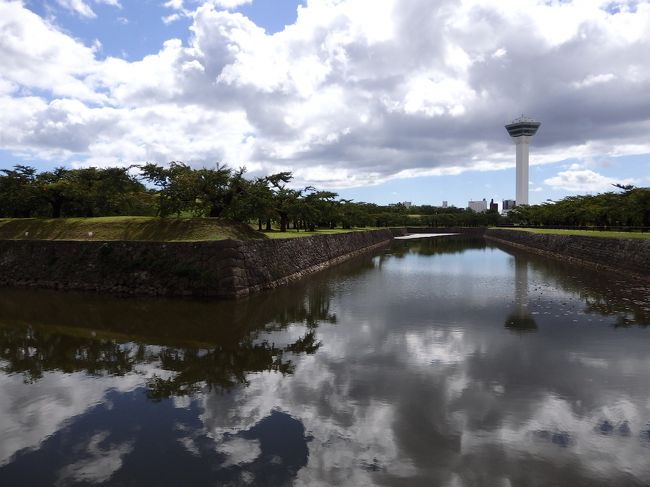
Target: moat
{"x":447,"y":361}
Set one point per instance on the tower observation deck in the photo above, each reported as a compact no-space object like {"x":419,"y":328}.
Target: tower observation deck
{"x":523,"y":126}
{"x":522,"y":130}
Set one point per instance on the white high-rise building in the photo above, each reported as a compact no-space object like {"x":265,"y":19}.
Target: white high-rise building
{"x":522,"y":130}
{"x":478,"y":206}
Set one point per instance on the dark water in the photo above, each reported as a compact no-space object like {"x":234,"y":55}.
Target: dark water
{"x":438,"y":362}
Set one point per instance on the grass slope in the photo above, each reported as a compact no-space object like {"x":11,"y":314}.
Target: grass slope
{"x":125,"y":228}
{"x":295,"y":233}
{"x":585,"y":233}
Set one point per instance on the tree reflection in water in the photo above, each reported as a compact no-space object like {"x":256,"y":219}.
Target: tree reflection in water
{"x":197,"y":344}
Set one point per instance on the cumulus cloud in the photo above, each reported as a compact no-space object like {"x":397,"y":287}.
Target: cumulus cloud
{"x":240,"y":451}
{"x":353,"y":93}
{"x":36,"y":56}
{"x":584,"y":181}
{"x":224,"y":4}
{"x":112,"y":3}
{"x":168,"y":19}
{"x":56,"y":399}
{"x":230,"y":3}
{"x":82,"y":8}
{"x":175,"y":4}
{"x":78,"y":6}
{"x":99,"y":463}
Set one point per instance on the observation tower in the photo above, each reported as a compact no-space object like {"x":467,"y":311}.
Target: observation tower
{"x":522,"y":130}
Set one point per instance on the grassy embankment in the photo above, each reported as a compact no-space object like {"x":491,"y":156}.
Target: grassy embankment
{"x":124,"y":228}
{"x":585,"y":233}
{"x":139,"y":228}
{"x":325,"y":231}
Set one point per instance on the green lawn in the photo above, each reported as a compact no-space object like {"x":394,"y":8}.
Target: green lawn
{"x":125,"y":228}
{"x":142,"y":228}
{"x":585,"y":233}
{"x":295,"y":233}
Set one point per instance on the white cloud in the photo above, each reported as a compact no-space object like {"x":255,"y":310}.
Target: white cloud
{"x":34,"y":55}
{"x":230,"y":3}
{"x":594,"y":80}
{"x":168,"y":19}
{"x":51,"y":402}
{"x":78,"y":6}
{"x":175,"y":4}
{"x":353,"y":93}
{"x":239,"y":451}
{"x":584,"y":180}
{"x":98,"y":465}
{"x":81,"y":8}
{"x":224,"y":4}
{"x":112,"y":3}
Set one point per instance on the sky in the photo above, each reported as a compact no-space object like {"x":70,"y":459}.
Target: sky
{"x":379,"y":100}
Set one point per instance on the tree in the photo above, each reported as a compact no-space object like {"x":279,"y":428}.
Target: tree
{"x":114,"y":191}
{"x":57,"y":188}
{"x":236,"y":200}
{"x":284,"y":199}
{"x":259,"y":202}
{"x":317,"y":208}
{"x":18,"y":192}
{"x":174,"y":186}
{"x":210,"y":190}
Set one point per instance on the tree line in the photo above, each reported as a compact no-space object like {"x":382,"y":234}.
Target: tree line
{"x":629,"y":207}
{"x":271,"y":201}
{"x":173,"y":190}
{"x":180,"y":190}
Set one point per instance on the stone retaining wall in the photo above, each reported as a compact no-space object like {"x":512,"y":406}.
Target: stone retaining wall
{"x":227,"y":268}
{"x":626,"y":255}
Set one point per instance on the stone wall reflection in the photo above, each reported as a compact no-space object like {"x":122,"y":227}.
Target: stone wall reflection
{"x":195,"y":344}
{"x":603,"y":293}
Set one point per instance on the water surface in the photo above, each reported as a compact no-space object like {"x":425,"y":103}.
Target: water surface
{"x":435,"y":362}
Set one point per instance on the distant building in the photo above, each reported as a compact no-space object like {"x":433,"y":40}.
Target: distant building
{"x":494,"y":206}
{"x":508,"y":205}
{"x":478,"y":206}
{"x":444,"y":204}
{"x":407,"y":204}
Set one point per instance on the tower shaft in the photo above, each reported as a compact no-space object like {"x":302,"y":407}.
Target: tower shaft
{"x":522,"y":143}
{"x":522,"y":130}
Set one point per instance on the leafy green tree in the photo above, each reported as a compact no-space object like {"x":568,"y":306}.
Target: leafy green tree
{"x":105,"y":192}
{"x":284,"y":200}
{"x":116,"y":192}
{"x":629,"y":208}
{"x":237,"y":204}
{"x":57,"y":188}
{"x":210,"y":191}
{"x":174,"y":185}
{"x":259,"y":202}
{"x":317,"y":208}
{"x":18,"y":193}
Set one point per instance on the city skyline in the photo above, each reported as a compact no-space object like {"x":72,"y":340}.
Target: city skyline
{"x":379,"y":101}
